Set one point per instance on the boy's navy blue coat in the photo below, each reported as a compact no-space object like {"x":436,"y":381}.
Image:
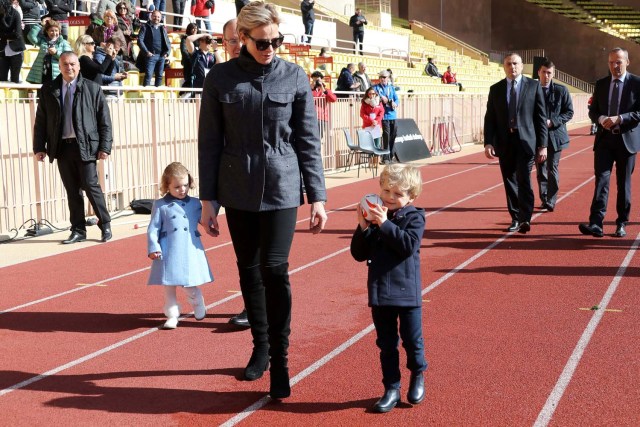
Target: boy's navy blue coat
{"x":392,"y":253}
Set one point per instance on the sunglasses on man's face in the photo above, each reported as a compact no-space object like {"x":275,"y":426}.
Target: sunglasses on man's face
{"x":264,"y":44}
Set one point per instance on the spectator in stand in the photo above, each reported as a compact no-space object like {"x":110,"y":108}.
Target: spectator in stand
{"x":45,"y":67}
{"x":30,"y":15}
{"x":154,"y":48}
{"x":108,"y":29}
{"x":59,"y":11}
{"x":230,"y":40}
{"x":129,"y":25}
{"x":390,"y":101}
{"x":357,"y":22}
{"x":103,"y":6}
{"x":323,"y":54}
{"x":11,"y":42}
{"x":362,"y":78}
{"x":322,"y":95}
{"x":449,"y":78}
{"x":186,"y":57}
{"x":202,"y":9}
{"x":178,"y":9}
{"x":118,"y":74}
{"x":372,"y":113}
{"x":240,"y":4}
{"x":202,"y":57}
{"x":431,"y":69}
{"x":345,"y":81}
{"x":391,"y":80}
{"x":89,"y":67}
{"x":308,"y":18}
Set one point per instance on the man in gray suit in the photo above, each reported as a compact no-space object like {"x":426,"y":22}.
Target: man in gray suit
{"x":515,"y":131}
{"x":559,"y":110}
{"x":616,"y":109}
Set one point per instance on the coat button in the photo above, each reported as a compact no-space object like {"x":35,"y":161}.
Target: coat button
{"x":173,"y":217}
{"x":185,"y":229}
{"x":184,"y":216}
{"x":175,"y":229}
{"x":184,"y":204}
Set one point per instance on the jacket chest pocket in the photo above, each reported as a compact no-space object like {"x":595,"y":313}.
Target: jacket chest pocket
{"x":279,"y":106}
{"x":232,"y":105}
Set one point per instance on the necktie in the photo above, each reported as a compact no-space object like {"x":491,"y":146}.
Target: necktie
{"x":513,"y":107}
{"x":613,"y":102}
{"x":67,"y":114}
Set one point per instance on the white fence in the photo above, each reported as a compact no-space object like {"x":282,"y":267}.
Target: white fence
{"x":153,"y":128}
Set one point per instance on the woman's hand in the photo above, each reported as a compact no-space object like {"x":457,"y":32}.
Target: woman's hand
{"x":155,"y":255}
{"x":209,"y":218}
{"x":318,"y":217}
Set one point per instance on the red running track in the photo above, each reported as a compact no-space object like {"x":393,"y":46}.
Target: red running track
{"x":511,"y":338}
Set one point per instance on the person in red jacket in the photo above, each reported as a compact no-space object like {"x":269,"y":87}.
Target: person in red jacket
{"x":449,"y":78}
{"x":372,"y":112}
{"x":201,"y":10}
{"x":320,"y":90}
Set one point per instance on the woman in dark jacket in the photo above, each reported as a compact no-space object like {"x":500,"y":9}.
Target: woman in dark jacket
{"x":256,"y":172}
{"x":187,"y":66}
{"x":11,"y":42}
{"x":89,"y":67}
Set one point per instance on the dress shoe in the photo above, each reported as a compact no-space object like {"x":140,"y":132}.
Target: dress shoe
{"x":240,"y":319}
{"x":171,"y":323}
{"x":258,"y":363}
{"x":591,"y":230}
{"x":280,"y":387}
{"x":74,"y":237}
{"x":549,"y":207}
{"x":106,"y":233}
{"x":388,"y":401}
{"x":515,"y":226}
{"x":620,"y":231}
{"x":524,"y":227}
{"x":415,"y":394}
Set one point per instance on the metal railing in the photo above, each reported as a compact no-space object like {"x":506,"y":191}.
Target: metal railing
{"x":154,"y":126}
{"x":527,"y":55}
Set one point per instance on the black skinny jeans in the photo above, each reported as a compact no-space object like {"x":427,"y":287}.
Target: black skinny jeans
{"x":262,"y":242}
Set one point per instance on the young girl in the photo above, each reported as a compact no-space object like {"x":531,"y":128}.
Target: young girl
{"x":390,"y":244}
{"x":371,"y":112}
{"x":174,"y":244}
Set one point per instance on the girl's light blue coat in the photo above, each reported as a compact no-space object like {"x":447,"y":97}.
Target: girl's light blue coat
{"x":173,"y":230}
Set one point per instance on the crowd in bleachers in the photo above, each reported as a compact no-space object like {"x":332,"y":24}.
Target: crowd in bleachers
{"x":46,"y":31}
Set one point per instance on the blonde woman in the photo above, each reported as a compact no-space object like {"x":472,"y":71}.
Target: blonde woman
{"x":108,"y":29}
{"x":256,"y":173}
{"x":89,"y":67}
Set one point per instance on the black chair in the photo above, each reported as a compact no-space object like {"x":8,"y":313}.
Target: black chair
{"x":354,"y":150}
{"x":367,"y":146}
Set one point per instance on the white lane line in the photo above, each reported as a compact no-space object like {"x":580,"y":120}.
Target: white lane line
{"x":572,"y":364}
{"x":341,"y":348}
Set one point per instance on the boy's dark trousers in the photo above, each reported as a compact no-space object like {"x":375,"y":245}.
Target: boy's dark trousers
{"x":385,"y":319}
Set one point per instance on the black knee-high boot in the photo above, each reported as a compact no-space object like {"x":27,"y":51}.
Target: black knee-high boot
{"x":253,"y":294}
{"x":278,"y":300}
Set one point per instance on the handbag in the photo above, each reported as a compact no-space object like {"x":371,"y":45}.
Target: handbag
{"x":210,"y":4}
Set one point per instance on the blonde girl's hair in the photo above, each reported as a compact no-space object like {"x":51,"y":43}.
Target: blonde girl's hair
{"x":404,"y":177}
{"x":80,"y":49}
{"x":177,"y":170}
{"x":112,"y":14}
{"x":257,"y":14}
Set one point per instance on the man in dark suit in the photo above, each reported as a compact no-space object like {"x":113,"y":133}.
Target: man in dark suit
{"x":559,"y":110}
{"x":616,"y":109}
{"x":73,"y":126}
{"x":515,"y":131}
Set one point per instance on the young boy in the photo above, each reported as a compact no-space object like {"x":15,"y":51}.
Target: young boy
{"x":390,"y":243}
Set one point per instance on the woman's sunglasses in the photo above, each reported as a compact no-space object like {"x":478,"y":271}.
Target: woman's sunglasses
{"x":264,"y":44}
{"x":91,"y":43}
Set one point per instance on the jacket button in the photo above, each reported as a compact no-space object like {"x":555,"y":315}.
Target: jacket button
{"x":173,"y":217}
{"x":184,"y":216}
{"x":185,"y":229}
{"x":184,"y":204}
{"x":175,"y":229}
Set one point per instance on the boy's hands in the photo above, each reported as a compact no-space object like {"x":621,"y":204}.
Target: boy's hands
{"x":378,"y":214}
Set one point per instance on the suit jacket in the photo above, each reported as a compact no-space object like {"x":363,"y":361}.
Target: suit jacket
{"x":628,"y":110}
{"x":532,"y":120}
{"x":91,"y":119}
{"x":559,"y":108}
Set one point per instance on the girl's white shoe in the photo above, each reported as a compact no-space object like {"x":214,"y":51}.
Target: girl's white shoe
{"x":171,"y":323}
